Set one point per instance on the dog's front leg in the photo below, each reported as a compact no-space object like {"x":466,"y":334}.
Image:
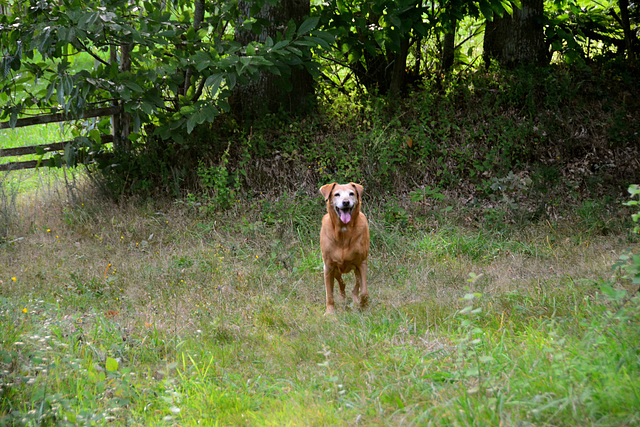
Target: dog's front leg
{"x":328,"y":285}
{"x":341,"y":285}
{"x":360,"y":291}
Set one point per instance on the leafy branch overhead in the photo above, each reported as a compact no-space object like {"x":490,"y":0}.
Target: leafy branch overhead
{"x":173,"y":66}
{"x":180,"y":76}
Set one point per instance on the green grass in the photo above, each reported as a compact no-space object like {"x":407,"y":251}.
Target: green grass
{"x":153,"y":314}
{"x":31,"y":180}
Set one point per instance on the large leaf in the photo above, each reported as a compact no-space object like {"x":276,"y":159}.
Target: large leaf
{"x":308,"y":25}
{"x":213,"y":82}
{"x":111,"y":365}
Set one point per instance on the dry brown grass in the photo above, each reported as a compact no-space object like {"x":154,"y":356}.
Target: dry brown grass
{"x":134,"y":255}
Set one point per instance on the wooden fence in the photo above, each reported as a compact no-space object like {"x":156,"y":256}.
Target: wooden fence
{"x":121,"y":121}
{"x":48,"y":148}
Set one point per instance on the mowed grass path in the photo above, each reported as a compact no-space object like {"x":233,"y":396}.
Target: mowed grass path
{"x":150,"y":314}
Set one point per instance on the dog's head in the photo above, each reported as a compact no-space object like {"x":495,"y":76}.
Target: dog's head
{"x":343,"y":200}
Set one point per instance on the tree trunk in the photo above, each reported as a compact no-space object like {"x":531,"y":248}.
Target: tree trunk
{"x":268,"y":92}
{"x":518,"y":39}
{"x":449,"y":46}
{"x":626,"y":28}
{"x":399,"y":71}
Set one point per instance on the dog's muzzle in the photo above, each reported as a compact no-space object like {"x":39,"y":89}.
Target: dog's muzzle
{"x":344,"y":213}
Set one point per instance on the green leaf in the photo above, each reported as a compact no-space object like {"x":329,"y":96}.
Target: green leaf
{"x":486,"y":10}
{"x":111,"y":365}
{"x":276,"y":71}
{"x":192,"y":121}
{"x":485,"y":359}
{"x":133,"y":86}
{"x":395,"y":21}
{"x":147,"y":108}
{"x":69,"y":155}
{"x":60,"y":92}
{"x":308,"y":25}
{"x":13,"y":119}
{"x":224,"y":105}
{"x":611,"y":293}
{"x":214,"y":81}
{"x":280,"y":45}
{"x":231,"y":81}
{"x":208,"y":113}
{"x":290,"y":30}
{"x":319,"y":41}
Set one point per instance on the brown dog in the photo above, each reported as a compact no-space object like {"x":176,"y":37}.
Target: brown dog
{"x":344,"y":241}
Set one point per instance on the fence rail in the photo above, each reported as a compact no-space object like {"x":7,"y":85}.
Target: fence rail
{"x":59,"y":117}
{"x":47,"y":148}
{"x":35,"y":149}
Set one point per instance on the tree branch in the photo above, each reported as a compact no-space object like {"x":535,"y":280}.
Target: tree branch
{"x":86,"y":49}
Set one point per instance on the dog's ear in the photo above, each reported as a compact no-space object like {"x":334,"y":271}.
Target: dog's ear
{"x":359,"y":189}
{"x":326,"y":190}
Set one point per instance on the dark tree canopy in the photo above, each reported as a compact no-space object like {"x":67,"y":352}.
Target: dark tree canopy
{"x":172,"y":68}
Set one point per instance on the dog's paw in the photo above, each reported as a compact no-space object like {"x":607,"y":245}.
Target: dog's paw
{"x":331,"y":311}
{"x":364,"y":301}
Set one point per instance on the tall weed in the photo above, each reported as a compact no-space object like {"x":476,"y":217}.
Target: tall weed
{"x":8,"y":208}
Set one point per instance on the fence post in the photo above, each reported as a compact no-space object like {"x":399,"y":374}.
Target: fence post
{"x":125,"y":118}
{"x":115,"y":118}
{"x":121,"y":121}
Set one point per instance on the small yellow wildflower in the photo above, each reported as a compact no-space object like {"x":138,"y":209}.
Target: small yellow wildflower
{"x":14,"y":278}
{"x":48,"y":230}
{"x":24,"y":310}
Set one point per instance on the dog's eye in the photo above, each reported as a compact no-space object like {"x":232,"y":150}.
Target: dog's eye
{"x":336,"y":195}
{"x":351,"y":193}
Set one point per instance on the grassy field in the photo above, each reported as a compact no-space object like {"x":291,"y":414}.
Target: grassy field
{"x":151,"y":313}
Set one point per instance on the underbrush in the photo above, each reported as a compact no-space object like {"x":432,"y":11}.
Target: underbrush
{"x":164,"y":312}
{"x":538,"y":140}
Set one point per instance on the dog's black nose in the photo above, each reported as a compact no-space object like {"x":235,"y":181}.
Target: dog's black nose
{"x":346,"y":204}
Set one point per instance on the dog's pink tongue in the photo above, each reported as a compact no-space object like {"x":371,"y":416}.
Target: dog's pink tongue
{"x":345,"y":217}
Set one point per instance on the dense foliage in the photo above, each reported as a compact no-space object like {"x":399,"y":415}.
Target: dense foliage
{"x":71,"y":56}
{"x":172,"y":66}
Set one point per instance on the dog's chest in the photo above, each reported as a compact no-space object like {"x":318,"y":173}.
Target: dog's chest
{"x":349,"y":247}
